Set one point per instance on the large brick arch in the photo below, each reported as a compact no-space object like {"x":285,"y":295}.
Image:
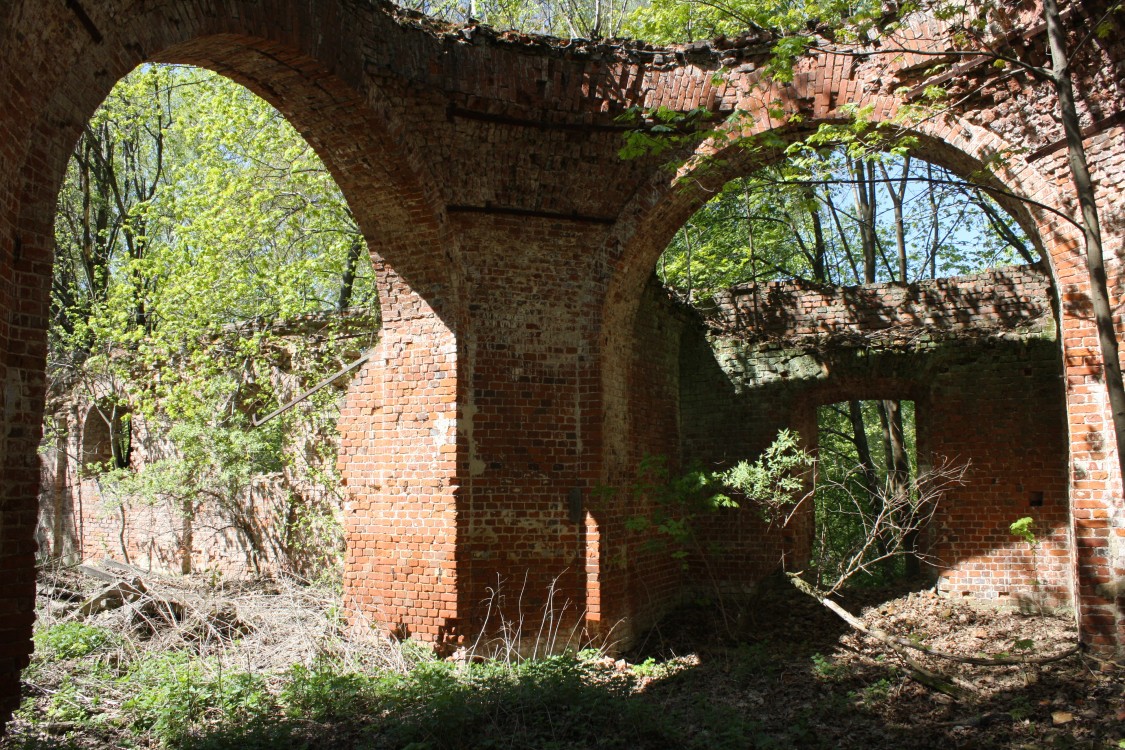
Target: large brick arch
{"x":340,"y":107}
{"x":1032,"y":189}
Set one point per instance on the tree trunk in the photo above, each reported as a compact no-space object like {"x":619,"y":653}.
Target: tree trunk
{"x":898,"y":199}
{"x":347,"y":281}
{"x":187,"y":536}
{"x":864,"y":195}
{"x":820,"y":250}
{"x":863,"y":449}
{"x":898,"y":471}
{"x":1091,"y":225}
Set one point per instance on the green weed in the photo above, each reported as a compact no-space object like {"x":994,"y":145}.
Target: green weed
{"x":70,"y":640}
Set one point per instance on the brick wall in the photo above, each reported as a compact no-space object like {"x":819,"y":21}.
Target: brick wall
{"x":1004,"y":299}
{"x":777,"y":352}
{"x":483,"y":169}
{"x":261,"y":529}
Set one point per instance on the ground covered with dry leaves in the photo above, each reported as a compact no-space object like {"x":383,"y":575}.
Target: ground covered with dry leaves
{"x":155,"y":662}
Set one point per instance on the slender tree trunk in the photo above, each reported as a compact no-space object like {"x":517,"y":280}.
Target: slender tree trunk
{"x":898,"y":469}
{"x":347,"y":281}
{"x":687,"y":246}
{"x":863,"y":191}
{"x":1091,"y":225}
{"x":898,"y":198}
{"x":819,"y":266}
{"x":863,"y":449}
{"x":187,"y":536}
{"x":935,"y":240}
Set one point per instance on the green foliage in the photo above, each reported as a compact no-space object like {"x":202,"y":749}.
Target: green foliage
{"x":325,"y":693}
{"x":662,"y":129}
{"x":789,"y":22}
{"x":70,"y":640}
{"x":673,"y":504}
{"x":191,"y":214}
{"x":826,"y":668}
{"x":797,"y":219}
{"x":843,"y":500}
{"x":176,"y":696}
{"x":774,"y":481}
{"x":212,"y":463}
{"x":1024,"y":528}
{"x":586,"y":19}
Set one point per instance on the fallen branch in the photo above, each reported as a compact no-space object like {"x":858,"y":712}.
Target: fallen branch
{"x":885,"y":637}
{"x":951,"y":686}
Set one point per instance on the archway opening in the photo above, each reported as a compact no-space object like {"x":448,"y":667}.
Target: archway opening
{"x":213,"y":295}
{"x":834,"y":278}
{"x":208,"y":274}
{"x":838,"y":219}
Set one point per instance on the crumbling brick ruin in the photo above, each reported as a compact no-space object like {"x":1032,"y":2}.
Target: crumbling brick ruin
{"x":512,"y":247}
{"x":263,"y":528}
{"x":971,"y":352}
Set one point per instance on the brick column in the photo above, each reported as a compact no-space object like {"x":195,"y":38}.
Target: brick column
{"x":398,"y":462}
{"x":529,"y":421}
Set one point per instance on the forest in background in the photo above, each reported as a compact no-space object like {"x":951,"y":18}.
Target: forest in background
{"x":193,"y":218}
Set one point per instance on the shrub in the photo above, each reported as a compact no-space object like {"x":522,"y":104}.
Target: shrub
{"x":71,"y":640}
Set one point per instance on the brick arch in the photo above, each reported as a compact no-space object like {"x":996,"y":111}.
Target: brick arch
{"x":312,"y":61}
{"x":659,"y":209}
{"x":342,"y":111}
{"x":653,"y":216}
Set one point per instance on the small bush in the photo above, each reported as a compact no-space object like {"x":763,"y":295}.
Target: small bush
{"x":70,"y":640}
{"x":323,"y":694}
{"x":176,"y":696}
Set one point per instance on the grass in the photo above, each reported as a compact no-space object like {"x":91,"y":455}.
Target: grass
{"x":793,"y":683}
{"x":181,"y":701}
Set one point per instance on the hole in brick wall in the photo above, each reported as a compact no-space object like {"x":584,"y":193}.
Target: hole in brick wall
{"x":1035,"y":499}
{"x":106,"y":439}
{"x":865,"y":447}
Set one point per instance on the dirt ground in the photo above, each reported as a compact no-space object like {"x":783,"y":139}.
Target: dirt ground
{"x":781,"y":671}
{"x":815,"y":682}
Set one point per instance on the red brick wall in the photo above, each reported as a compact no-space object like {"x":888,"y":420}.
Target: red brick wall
{"x":252,"y":534}
{"x":781,"y":350}
{"x":484,"y":169}
{"x":1011,"y":298}
{"x":398,"y":461}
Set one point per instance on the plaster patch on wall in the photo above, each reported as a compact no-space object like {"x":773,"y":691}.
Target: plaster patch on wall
{"x":476,"y":465}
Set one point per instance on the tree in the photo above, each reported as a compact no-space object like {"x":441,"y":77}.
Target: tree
{"x":800,"y":219}
{"x":586,"y":19}
{"x":193,"y":214}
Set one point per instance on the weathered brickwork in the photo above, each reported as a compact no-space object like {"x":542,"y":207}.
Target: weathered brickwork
{"x":1003,"y":300}
{"x":971,"y":352}
{"x":483,"y":170}
{"x":253,"y":531}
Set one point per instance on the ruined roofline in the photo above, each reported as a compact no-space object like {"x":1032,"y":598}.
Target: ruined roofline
{"x":1013,"y":302}
{"x":998,"y":272}
{"x":713,"y":53}
{"x":353,"y":319}
{"x":918,"y":30}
